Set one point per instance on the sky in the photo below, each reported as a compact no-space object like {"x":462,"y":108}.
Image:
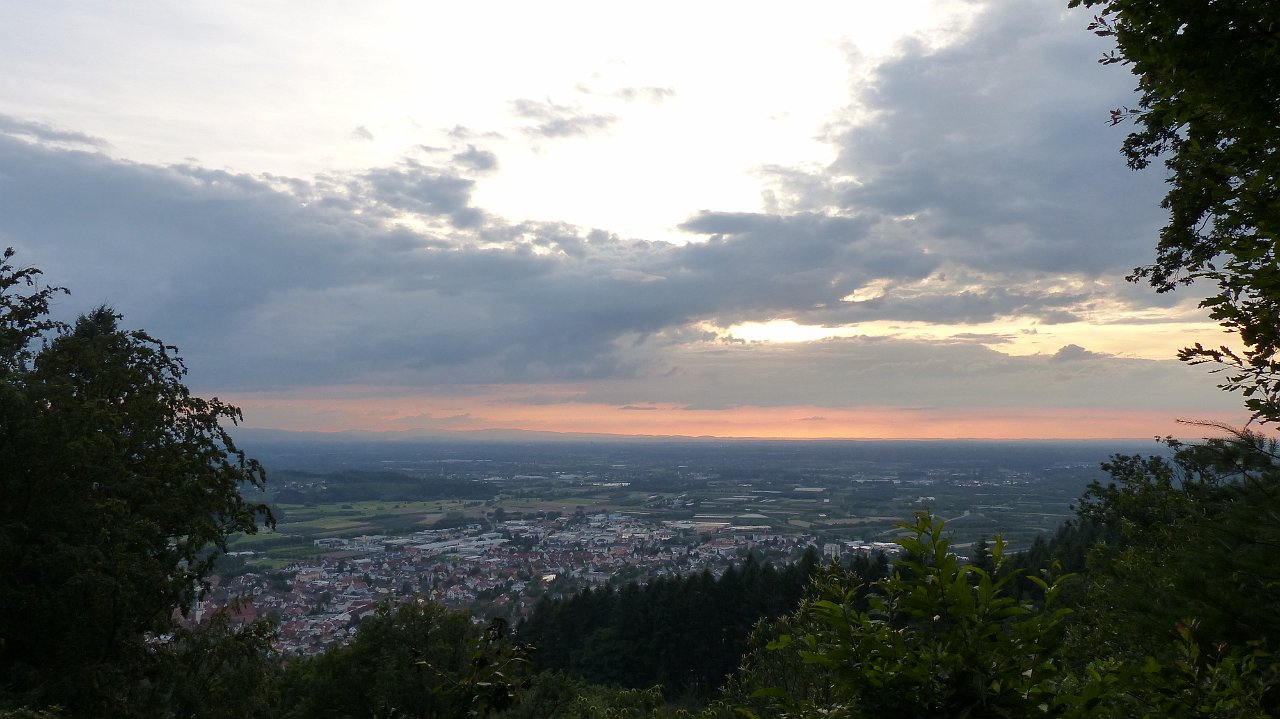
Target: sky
{"x":852,"y":220}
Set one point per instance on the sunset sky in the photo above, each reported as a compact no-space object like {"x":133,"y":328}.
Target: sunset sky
{"x":738,"y":219}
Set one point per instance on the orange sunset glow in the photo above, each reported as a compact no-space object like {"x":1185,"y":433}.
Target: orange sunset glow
{"x":407,"y":414}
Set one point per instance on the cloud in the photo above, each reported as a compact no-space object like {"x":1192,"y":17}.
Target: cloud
{"x":874,"y":372}
{"x":647,"y":93}
{"x":556,"y":121}
{"x":982,"y":339}
{"x":47,"y":134}
{"x":993,"y":152}
{"x":362,"y":133}
{"x":423,"y":189}
{"x":971,"y":183}
{"x":267,"y":286}
{"x":1074,"y":353}
{"x":430,"y":421}
{"x":476,"y":159}
{"x":776,"y":264}
{"x":323,"y":283}
{"x":961,"y":297}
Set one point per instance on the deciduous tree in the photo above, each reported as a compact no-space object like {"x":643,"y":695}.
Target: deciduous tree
{"x":413,"y":660}
{"x":940,"y":637}
{"x":1209,"y":78}
{"x":117,"y":489}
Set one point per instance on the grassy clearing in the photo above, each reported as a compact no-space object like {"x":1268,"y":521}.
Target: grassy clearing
{"x":319,"y":526}
{"x":851,"y":521}
{"x":259,"y":538}
{"x":264,"y":564}
{"x":355,"y":518}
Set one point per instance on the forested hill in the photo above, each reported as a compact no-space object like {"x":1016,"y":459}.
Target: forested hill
{"x":684,"y":633}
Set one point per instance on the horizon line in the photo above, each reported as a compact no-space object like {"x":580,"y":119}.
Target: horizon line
{"x":552,"y":435}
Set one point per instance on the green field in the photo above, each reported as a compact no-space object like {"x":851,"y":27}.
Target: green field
{"x":832,"y":508}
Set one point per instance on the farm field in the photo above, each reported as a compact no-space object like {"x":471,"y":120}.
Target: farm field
{"x":829,"y":493}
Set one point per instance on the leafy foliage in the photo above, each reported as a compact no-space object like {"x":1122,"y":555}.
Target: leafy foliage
{"x":215,"y":671}
{"x":24,"y":315}
{"x":938,"y":638}
{"x":946,"y":638}
{"x":1191,"y":684}
{"x":415,"y":660}
{"x":114,"y":481}
{"x":1209,"y":77}
{"x":1198,"y":534}
{"x":623,"y":704}
{"x":685,"y":633}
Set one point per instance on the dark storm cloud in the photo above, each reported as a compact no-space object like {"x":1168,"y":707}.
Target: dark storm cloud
{"x":551,"y":120}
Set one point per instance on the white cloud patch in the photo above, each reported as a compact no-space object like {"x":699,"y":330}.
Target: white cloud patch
{"x":649,"y":93}
{"x":476,"y":159}
{"x":551,"y":120}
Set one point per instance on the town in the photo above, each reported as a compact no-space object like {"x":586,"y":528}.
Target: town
{"x":495,"y":530}
{"x":492,"y":573}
